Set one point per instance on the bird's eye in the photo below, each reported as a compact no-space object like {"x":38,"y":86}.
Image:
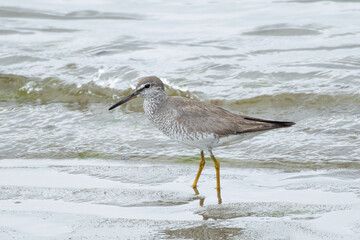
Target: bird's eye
{"x":147,"y":85}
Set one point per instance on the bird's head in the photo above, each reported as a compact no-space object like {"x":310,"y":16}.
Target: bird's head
{"x":147,"y":87}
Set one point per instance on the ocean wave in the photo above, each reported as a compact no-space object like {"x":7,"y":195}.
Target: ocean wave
{"x":298,"y":104}
{"x":24,"y":89}
{"x":20,"y":88}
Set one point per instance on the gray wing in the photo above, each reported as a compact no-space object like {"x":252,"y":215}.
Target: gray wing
{"x":204,"y":117}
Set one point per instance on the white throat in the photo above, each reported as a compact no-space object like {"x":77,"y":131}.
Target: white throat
{"x":152,"y":103}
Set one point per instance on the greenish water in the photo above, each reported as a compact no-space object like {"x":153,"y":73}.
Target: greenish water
{"x":69,"y":165}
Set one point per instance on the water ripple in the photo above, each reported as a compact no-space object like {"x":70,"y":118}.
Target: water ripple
{"x":15,"y":12}
{"x":283,"y":30}
{"x":321,"y":48}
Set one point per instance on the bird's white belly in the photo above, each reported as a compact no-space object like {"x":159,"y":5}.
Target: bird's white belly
{"x":211,"y":141}
{"x":207,"y":143}
{"x":202,"y":140}
{"x":232,"y":139}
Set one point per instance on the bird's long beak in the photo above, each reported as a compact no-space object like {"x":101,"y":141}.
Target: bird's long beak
{"x":125,"y":99}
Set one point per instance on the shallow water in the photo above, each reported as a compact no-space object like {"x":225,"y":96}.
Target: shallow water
{"x":71,"y":168}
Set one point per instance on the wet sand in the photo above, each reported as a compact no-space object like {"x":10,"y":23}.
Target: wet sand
{"x":103,"y":199}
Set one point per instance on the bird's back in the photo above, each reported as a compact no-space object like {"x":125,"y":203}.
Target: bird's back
{"x":205,"y":117}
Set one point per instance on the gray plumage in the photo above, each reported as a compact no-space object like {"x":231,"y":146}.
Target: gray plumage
{"x":193,"y":122}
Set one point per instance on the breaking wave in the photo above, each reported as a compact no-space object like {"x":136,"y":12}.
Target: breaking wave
{"x":22,"y":89}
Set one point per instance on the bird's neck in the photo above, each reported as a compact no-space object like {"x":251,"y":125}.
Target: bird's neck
{"x":151,"y":104}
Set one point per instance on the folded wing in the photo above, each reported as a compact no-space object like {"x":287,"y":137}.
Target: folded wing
{"x":207,"y":118}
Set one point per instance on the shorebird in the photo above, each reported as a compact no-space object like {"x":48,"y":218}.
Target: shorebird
{"x":194,"y":123}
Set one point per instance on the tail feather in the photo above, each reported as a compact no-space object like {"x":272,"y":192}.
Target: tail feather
{"x":277,"y":123}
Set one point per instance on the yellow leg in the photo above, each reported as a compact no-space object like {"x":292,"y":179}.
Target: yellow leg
{"x":201,"y":166}
{"x":219,"y":196}
{"x":217,"y":168}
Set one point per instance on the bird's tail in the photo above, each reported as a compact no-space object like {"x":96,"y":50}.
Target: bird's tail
{"x":276,"y":123}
